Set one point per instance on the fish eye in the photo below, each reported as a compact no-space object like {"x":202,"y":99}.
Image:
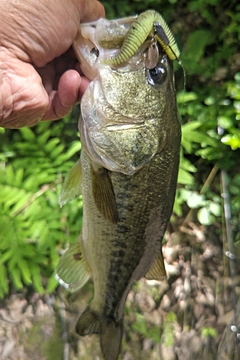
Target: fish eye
{"x":157,"y":76}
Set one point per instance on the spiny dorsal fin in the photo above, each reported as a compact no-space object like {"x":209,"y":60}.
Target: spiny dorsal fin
{"x":72,"y":184}
{"x":103,"y":194}
{"x":73,"y":271}
{"x":157,"y":270}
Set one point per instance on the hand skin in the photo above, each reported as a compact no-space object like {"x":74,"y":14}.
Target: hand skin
{"x":39,"y":75}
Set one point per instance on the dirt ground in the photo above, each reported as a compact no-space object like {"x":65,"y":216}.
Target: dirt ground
{"x":193,"y":315}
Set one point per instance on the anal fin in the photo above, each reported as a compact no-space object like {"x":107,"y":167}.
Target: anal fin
{"x":157,"y":270}
{"x":72,"y":271}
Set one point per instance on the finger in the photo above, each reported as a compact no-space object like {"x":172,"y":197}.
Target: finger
{"x":84,"y":84}
{"x":47,"y":74}
{"x":62,"y":101}
{"x":91,"y":10}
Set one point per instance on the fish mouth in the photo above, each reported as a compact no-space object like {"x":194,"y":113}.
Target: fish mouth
{"x":99,"y":41}
{"x":120,"y":107}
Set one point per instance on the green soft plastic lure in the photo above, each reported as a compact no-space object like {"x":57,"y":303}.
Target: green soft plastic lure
{"x":146,"y":23}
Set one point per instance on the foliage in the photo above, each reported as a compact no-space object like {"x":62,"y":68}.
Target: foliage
{"x":141,"y":327}
{"x":31,"y":222}
{"x":208,"y":332}
{"x":33,"y":229}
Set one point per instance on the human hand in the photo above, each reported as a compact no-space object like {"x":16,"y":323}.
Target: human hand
{"x":39,"y":75}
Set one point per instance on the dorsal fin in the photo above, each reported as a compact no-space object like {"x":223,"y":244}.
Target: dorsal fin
{"x":157,"y":270}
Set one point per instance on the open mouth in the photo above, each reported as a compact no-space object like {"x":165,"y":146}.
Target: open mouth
{"x":100,"y":41}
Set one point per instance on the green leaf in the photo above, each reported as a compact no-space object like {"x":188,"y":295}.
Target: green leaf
{"x":37,"y":281}
{"x":183,"y":96}
{"x":171,"y":317}
{"x":19,"y":177}
{"x":204,"y":216}
{"x":195,"y":200}
{"x":215,"y":208}
{"x":140,"y":324}
{"x":21,"y":203}
{"x":187,"y":165}
{"x":206,"y":332}
{"x":190,"y":126}
{"x":185,"y":178}
{"x":52,"y":284}
{"x":10,"y":176}
{"x":232,"y":140}
{"x":191,"y":135}
{"x":177,"y":208}
{"x":56,"y":152}
{"x":194,"y":49}
{"x":24,"y":269}
{"x":6,"y":255}
{"x":224,"y":122}
{"x":50,"y":146}
{"x":3,"y":281}
{"x":27,"y":134}
{"x":15,"y":275}
{"x":154,"y":333}
{"x":42,"y":139}
{"x":74,"y":148}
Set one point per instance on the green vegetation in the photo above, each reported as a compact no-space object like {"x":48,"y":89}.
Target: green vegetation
{"x":32,"y":226}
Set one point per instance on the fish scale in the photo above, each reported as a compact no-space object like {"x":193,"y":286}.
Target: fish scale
{"x":130,"y":135}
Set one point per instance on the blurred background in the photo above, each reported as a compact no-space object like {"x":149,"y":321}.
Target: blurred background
{"x":194,"y":314}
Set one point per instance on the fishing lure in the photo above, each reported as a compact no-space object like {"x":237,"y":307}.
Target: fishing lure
{"x":141,"y":28}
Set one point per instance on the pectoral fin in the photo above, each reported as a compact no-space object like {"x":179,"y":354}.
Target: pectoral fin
{"x":103,"y":194}
{"x":72,"y":184}
{"x":157,"y":271}
{"x":73,"y":271}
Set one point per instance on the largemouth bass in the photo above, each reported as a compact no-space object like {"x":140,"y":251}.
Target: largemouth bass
{"x":130,"y":135}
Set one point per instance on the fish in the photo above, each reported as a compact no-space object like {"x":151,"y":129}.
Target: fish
{"x":127,"y":173}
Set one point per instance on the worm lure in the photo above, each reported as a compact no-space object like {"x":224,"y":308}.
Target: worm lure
{"x":145,"y":23}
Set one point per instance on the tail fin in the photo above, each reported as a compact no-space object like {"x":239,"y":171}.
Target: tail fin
{"x":110,"y":332}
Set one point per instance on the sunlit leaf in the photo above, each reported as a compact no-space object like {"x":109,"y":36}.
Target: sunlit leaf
{"x":51,"y":145}
{"x":224,"y":122}
{"x":195,"y":200}
{"x":42,"y":139}
{"x":24,"y":269}
{"x":3,"y":280}
{"x":204,"y":216}
{"x":37,"y":281}
{"x":184,"y":177}
{"x":183,"y":97}
{"x":215,"y":208}
{"x":52,"y":284}
{"x":27,"y":134}
{"x":232,"y":140}
{"x":15,"y":275}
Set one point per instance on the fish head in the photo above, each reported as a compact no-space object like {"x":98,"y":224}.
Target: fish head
{"x":127,"y":109}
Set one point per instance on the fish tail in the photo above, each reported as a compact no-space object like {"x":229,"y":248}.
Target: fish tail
{"x":110,"y":339}
{"x":110,"y":332}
